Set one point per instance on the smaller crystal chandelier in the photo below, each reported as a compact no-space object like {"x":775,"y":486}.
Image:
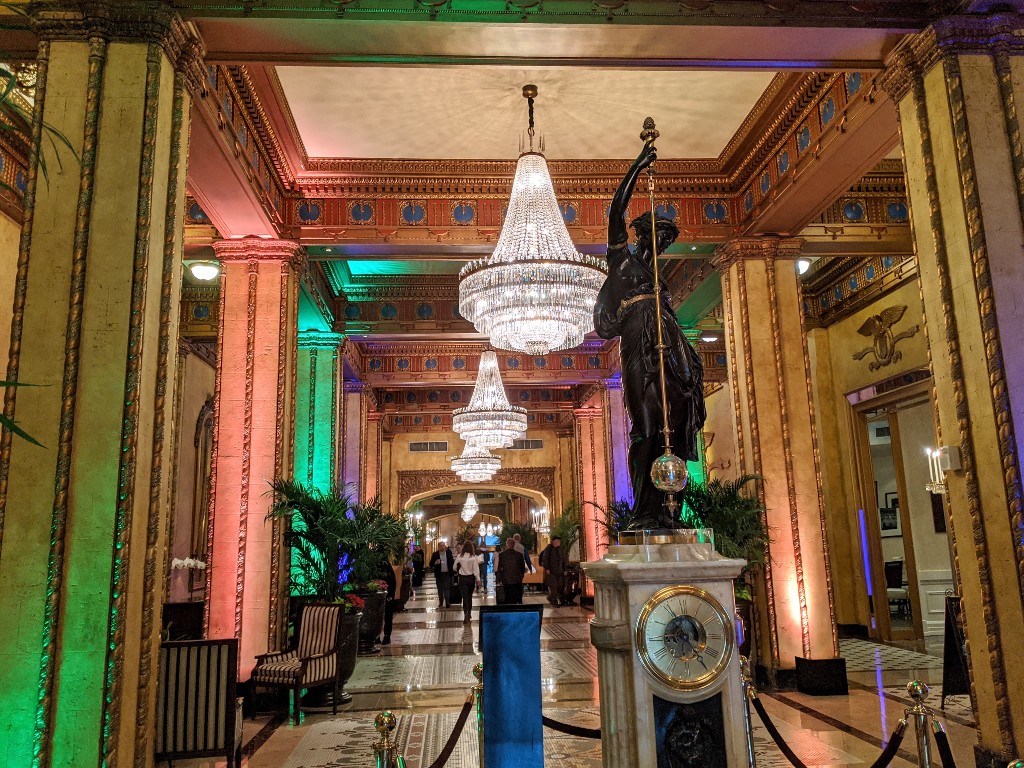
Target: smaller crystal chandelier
{"x":489,"y":421}
{"x":476,"y":464}
{"x":470,"y":508}
{"x":485,"y":530}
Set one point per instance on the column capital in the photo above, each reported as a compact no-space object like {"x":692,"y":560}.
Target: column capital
{"x":952,"y":35}
{"x":320,"y":339}
{"x":123,"y":21}
{"x":587,"y":413}
{"x":260,"y":249}
{"x":615,"y":384}
{"x":761,"y":247}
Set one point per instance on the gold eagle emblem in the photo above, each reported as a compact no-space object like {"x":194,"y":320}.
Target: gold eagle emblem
{"x":879,"y":328}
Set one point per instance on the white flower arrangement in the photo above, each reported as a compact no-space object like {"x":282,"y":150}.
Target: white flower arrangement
{"x":189,"y":563}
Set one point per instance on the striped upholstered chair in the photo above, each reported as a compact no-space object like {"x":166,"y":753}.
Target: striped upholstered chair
{"x":197,"y":711}
{"x":314,"y":661}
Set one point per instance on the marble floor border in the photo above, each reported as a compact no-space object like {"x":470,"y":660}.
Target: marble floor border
{"x":907,"y":702}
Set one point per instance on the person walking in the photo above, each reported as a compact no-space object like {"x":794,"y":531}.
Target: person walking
{"x":443,"y":564}
{"x":417,"y":567}
{"x":510,"y":571}
{"x":388,"y":576}
{"x":467,"y":566}
{"x":552,"y":560}
{"x":522,"y":550}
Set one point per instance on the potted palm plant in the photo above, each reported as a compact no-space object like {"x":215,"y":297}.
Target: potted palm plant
{"x":735,"y":512}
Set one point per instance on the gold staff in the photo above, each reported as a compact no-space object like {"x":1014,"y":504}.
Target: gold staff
{"x":668,"y":473}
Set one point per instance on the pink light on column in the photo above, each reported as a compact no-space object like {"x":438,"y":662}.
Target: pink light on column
{"x":258,"y":286}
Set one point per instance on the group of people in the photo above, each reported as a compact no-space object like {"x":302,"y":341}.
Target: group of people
{"x":513,"y":563}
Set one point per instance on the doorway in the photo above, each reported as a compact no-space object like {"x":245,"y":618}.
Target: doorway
{"x":908,"y":567}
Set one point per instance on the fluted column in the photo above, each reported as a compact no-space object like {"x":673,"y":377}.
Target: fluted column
{"x":373,"y":437}
{"x":618,"y":441}
{"x":769,"y":380}
{"x":252,"y":445}
{"x":353,"y":425}
{"x":316,"y":408}
{"x":83,"y":519}
{"x":958,"y":87}
{"x":594,"y":474}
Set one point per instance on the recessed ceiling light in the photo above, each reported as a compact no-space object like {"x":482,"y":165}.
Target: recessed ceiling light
{"x":708,"y":337}
{"x":802,"y":265}
{"x":693,"y":247}
{"x":205,"y":270}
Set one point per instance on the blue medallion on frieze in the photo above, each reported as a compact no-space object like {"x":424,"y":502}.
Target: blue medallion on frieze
{"x":201,"y":311}
{"x":869,"y":272}
{"x":783,"y":162}
{"x":667,"y":211}
{"x":568,"y":213}
{"x":413,"y":213}
{"x":417,"y":420}
{"x":309,"y":211}
{"x":21,"y":182}
{"x":897,"y":212}
{"x":425,"y":311}
{"x":715,"y":212}
{"x":410,"y":397}
{"x":376,"y":364}
{"x":524,"y":395}
{"x":430,"y":364}
{"x":513,"y":362}
{"x":403,"y":364}
{"x":545,"y":395}
{"x":197,"y":214}
{"x":435,"y":420}
{"x":748,"y":201}
{"x":463,"y":213}
{"x":803,"y":138}
{"x":540,"y":362}
{"x":853,"y":82}
{"x":594,"y":361}
{"x":352,"y":312}
{"x":433,"y":396}
{"x":455,"y":397}
{"x":828,"y":111}
{"x":853,"y":210}
{"x":361,"y":212}
{"x":458,"y":364}
{"x":766,"y":182}
{"x":388,"y":311}
{"x":568,"y":361}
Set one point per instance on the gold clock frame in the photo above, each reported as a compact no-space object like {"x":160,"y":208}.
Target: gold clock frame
{"x":712,"y":674}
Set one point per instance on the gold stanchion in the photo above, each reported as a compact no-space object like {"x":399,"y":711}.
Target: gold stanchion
{"x":919,"y":692}
{"x":478,"y":697}
{"x":385,"y":750}
{"x":748,"y":691}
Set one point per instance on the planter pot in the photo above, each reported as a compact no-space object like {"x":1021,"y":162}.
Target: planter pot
{"x":372,"y":623}
{"x":322,"y":699}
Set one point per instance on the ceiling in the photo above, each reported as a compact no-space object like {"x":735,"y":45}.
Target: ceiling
{"x":478,"y":112}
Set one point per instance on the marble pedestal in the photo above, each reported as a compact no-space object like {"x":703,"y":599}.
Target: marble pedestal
{"x":623,"y":581}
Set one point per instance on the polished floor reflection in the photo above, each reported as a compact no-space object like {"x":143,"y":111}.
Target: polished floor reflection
{"x":425,"y":675}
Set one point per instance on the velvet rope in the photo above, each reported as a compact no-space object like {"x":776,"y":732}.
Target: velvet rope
{"x":572,"y":730}
{"x":454,"y":738}
{"x":942,"y":742}
{"x":892,"y":747}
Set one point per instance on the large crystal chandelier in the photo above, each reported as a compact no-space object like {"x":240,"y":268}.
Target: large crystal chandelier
{"x":536,"y":293}
{"x":489,"y":421}
{"x":476,"y":464}
{"x":470,"y":508}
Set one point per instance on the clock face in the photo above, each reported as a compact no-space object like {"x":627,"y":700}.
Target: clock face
{"x":684,"y":638}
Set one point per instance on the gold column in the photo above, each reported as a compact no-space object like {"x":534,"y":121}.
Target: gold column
{"x":770,"y":384}
{"x":957,"y":85}
{"x":83,"y":521}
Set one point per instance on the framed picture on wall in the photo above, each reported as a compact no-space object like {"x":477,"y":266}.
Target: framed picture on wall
{"x":892,"y":500}
{"x":889,"y":521}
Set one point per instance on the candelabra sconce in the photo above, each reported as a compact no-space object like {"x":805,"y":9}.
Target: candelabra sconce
{"x":940,"y":461}
{"x":541,"y":520}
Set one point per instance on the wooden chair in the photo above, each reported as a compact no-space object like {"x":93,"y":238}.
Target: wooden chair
{"x":198,"y":713}
{"x":897,"y":594}
{"x":314,"y":661}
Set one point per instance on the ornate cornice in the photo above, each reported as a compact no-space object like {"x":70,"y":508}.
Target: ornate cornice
{"x":766,"y":247}
{"x":260,"y":249}
{"x":261,"y":123}
{"x":320,"y":339}
{"x":122,"y":21}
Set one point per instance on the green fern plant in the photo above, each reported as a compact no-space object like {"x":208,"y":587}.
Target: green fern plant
{"x":614,"y":518}
{"x":568,"y":524}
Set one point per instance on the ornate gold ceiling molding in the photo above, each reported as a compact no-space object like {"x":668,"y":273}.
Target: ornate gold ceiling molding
{"x":261,"y":123}
{"x":834,"y":289}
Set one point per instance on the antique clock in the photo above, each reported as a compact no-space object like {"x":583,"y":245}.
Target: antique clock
{"x":684,"y":638}
{"x":665,"y":633}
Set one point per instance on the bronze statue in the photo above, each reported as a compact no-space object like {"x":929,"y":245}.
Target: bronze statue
{"x":625,"y":308}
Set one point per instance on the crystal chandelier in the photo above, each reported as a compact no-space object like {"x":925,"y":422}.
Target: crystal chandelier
{"x":476,"y":464}
{"x":470,"y":508}
{"x":489,"y":421}
{"x":536,"y":293}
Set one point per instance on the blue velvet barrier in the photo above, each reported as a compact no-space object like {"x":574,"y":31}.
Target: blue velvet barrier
{"x":510,"y":640}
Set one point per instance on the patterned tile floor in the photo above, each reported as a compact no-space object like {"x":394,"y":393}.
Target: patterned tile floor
{"x":425,"y":674}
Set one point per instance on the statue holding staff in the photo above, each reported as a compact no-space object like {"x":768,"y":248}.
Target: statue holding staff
{"x":627,"y":307}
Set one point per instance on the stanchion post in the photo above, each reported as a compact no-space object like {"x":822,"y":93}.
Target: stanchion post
{"x":478,"y":697}
{"x":1016,"y":764}
{"x":748,"y":688}
{"x":919,"y":692}
{"x":385,"y":750}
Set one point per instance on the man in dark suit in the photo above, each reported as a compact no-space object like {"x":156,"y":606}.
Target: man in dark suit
{"x":443,"y":564}
{"x":509,"y":571}
{"x":552,"y":560}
